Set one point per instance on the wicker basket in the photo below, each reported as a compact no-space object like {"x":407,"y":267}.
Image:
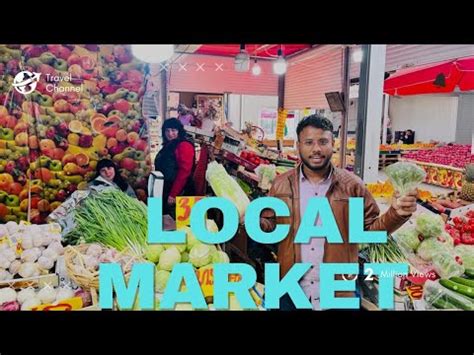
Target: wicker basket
{"x":88,"y":279}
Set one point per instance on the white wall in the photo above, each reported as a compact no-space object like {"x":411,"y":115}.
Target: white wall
{"x":243,"y":108}
{"x":430,"y":116}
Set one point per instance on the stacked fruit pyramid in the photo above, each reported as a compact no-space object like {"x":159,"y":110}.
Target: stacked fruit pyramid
{"x":86,"y":107}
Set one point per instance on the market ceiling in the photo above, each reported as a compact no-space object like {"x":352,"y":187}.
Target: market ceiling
{"x":269,"y":51}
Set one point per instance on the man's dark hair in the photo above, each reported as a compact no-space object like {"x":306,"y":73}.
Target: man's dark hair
{"x":315,"y":121}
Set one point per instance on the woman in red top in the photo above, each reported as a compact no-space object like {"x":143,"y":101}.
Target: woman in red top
{"x":176,"y":162}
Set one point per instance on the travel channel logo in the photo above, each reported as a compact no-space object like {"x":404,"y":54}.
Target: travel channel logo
{"x":25,"y":82}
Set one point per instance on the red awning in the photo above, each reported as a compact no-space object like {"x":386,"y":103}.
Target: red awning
{"x":440,"y":77}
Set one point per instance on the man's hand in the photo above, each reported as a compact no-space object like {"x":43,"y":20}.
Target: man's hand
{"x":405,"y":205}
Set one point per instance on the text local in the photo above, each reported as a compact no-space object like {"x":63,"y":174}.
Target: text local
{"x":143,"y":274}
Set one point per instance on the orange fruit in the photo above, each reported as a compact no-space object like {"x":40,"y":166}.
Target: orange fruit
{"x":97,"y":124}
{"x":82,"y":159}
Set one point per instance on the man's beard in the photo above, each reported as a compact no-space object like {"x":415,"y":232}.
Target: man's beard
{"x":318,"y":168}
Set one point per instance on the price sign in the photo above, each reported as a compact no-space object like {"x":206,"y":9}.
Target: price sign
{"x":205,"y":276}
{"x":281,"y":122}
{"x":64,"y":305}
{"x":183,"y":209}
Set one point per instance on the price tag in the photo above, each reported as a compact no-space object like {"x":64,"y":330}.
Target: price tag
{"x":64,"y":305}
{"x":183,"y":209}
{"x":415,"y":292}
{"x":205,"y":276}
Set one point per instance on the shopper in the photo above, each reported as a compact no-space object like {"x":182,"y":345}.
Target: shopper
{"x":409,"y":137}
{"x":107,"y":174}
{"x":176,"y":162}
{"x":317,"y":177}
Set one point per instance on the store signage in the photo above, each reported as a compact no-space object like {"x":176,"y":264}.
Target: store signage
{"x":281,"y":122}
{"x":183,"y":209}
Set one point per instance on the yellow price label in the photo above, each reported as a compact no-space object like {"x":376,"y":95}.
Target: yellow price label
{"x":205,"y":276}
{"x":183,"y":209}
{"x":281,"y":122}
{"x":64,"y":305}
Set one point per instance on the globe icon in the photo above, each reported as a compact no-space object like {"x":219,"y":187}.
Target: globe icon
{"x":25,"y":82}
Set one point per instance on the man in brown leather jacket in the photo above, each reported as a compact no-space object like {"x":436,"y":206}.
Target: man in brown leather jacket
{"x":316,"y":176}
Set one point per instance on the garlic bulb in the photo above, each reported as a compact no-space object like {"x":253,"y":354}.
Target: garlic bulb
{"x":64,"y":293}
{"x":56,"y":247}
{"x":4,"y":263}
{"x":12,"y":227}
{"x":47,"y":294}
{"x":9,"y":254}
{"x":51,"y":254}
{"x":38,"y":240}
{"x":14,"y":267}
{"x":28,"y":269}
{"x":30,"y":303}
{"x":30,"y":255}
{"x":7,"y":294}
{"x":45,"y":263}
{"x":5,"y":275}
{"x":26,"y":294}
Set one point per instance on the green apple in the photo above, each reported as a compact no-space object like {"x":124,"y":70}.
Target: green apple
{"x":21,"y":215}
{"x":133,"y":115}
{"x":45,"y":100}
{"x":54,"y":121}
{"x":54,"y":182}
{"x":55,"y":165}
{"x":7,"y":134}
{"x":5,"y":153}
{"x":36,"y":182}
{"x":22,"y":150}
{"x":3,"y":196}
{"x":115,"y":112}
{"x":12,"y":201}
{"x":47,"y":58}
{"x":44,"y":161}
{"x":44,"y":119}
{"x":34,"y":165}
{"x":28,"y":118}
{"x":132,"y":97}
{"x":139,"y":155}
{"x":15,"y":155}
{"x":34,"y":62}
{"x":60,"y":64}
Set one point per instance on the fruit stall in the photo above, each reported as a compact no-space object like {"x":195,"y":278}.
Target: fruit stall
{"x":445,"y":166}
{"x":86,"y":106}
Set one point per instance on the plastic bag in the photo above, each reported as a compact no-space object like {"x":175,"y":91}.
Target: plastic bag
{"x":224,"y":185}
{"x":437,"y":296}
{"x":407,"y":239}
{"x":466,"y":252}
{"x":405,"y":176}
{"x":447,"y":265}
